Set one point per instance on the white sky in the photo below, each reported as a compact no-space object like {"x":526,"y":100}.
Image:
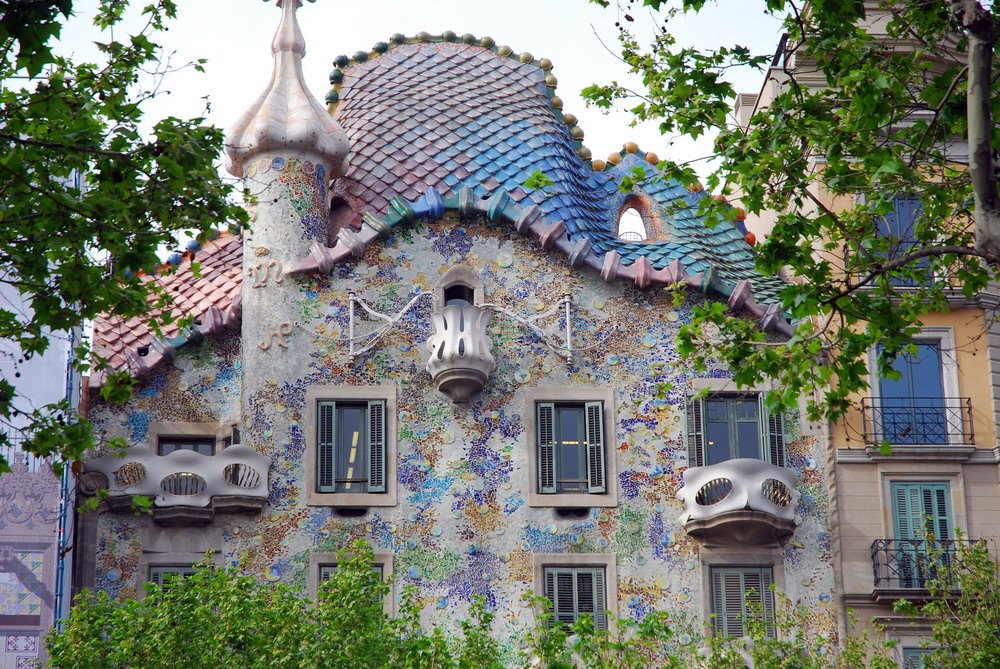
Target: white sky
{"x":235,"y":37}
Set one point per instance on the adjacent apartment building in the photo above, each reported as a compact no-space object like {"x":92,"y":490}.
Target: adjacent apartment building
{"x":35,"y":505}
{"x":898,"y":517}
{"x":409,"y":345}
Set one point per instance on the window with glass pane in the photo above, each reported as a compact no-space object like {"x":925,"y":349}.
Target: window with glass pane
{"x":741,"y":595}
{"x":575,"y":591}
{"x":899,"y":228}
{"x":351,"y":444}
{"x":203,"y":445}
{"x":912,"y":407}
{"x":915,"y":658}
{"x":726,"y":427}
{"x":571,"y":457}
{"x":163,"y":575}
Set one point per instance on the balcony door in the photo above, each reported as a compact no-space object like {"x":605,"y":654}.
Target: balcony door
{"x":912,"y":407}
{"x":923,"y":528}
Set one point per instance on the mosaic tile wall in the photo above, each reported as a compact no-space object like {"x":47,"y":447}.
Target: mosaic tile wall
{"x":462,"y":526}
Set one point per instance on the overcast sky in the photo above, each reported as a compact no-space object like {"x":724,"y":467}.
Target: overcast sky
{"x":235,"y":37}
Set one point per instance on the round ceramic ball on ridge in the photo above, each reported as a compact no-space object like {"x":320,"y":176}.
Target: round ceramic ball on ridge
{"x":174,"y":259}
{"x":526,"y":57}
{"x":631,"y":147}
{"x":576,"y":132}
{"x":468,"y":38}
{"x":332,"y":97}
{"x":341,"y":61}
{"x":423,"y":36}
{"x":487,"y":42}
{"x":741,"y":214}
{"x":449,"y":36}
{"x":398,"y":38}
{"x":361,"y":56}
{"x":599,"y":165}
{"x":750,"y":238}
{"x":557,"y":102}
{"x":584,"y":153}
{"x":504,"y":51}
{"x":380,"y":47}
{"x":545,"y":64}
{"x":551,"y":81}
{"x":615,"y":158}
{"x":336,"y":77}
{"x":652,"y":158}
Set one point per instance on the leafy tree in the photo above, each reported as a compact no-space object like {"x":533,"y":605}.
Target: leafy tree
{"x":87,"y":197}
{"x":863,"y":119}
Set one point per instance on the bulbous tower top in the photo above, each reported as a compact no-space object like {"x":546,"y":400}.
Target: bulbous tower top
{"x":286,"y":116}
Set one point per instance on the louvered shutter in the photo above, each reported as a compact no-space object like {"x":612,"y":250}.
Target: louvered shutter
{"x":550,"y":589}
{"x":565,"y":607}
{"x":545,"y":418}
{"x":376,"y":446}
{"x":922,"y":506}
{"x":600,"y":600}
{"x":767,"y":601}
{"x":326,"y":446}
{"x":774,"y":435}
{"x":156,"y":576}
{"x":595,"y":448}
{"x":695,"y":433}
{"x":935,"y":500}
{"x":737,"y":594}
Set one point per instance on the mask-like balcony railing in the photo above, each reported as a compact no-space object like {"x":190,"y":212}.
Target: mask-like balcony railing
{"x":187,"y":488}
{"x":739,"y":502}
{"x":918,"y":421}
{"x":461,"y":359}
{"x":905,"y":567}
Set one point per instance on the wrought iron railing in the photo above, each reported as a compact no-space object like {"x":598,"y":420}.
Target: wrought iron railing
{"x":911,"y":564}
{"x":13,"y":452}
{"x":917,"y":421}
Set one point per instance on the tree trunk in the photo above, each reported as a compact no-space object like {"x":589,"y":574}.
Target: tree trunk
{"x":982,"y":38}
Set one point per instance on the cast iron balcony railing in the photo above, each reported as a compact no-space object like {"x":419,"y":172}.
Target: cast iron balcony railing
{"x":911,"y":564}
{"x":917,"y":421}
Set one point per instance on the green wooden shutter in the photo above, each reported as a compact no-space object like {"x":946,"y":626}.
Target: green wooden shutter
{"x":376,"y":446}
{"x":163,"y":575}
{"x":600,"y":599}
{"x":738,"y":593}
{"x":921,"y":506}
{"x":774,"y":435}
{"x":545,"y":419}
{"x":561,"y":589}
{"x":695,"y":432}
{"x":596,"y":474}
{"x":326,"y":447}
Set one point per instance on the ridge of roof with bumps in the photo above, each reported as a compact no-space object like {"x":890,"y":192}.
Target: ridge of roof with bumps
{"x":458,"y":123}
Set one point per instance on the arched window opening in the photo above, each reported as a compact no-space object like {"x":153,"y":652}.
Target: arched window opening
{"x":631,"y":226}
{"x":460,"y":295}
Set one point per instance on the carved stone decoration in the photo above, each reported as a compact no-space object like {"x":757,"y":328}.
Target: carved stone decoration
{"x":461,"y":352}
{"x":739,"y":502}
{"x":170,"y":480}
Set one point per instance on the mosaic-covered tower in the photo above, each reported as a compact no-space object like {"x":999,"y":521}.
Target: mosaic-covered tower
{"x":479,"y":378}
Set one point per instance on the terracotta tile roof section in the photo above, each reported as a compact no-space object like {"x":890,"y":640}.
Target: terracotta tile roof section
{"x":209,"y":297}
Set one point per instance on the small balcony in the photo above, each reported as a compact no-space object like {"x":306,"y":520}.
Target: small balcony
{"x":903,"y":568}
{"x":187,"y":488}
{"x":461,"y":359}
{"x":918,"y":421}
{"x":739,"y":502}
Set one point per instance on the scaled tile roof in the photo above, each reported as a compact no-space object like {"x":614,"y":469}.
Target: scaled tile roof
{"x":446,"y":115}
{"x":120,"y":340}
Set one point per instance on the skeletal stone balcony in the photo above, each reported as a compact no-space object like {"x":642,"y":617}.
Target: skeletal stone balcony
{"x":461,"y":358}
{"x":187,"y":488}
{"x":739,"y":502}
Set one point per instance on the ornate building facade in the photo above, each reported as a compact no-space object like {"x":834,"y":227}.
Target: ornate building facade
{"x":411,"y":346}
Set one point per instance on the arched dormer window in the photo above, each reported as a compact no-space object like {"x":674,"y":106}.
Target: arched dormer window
{"x":631,"y":227}
{"x":459,"y":286}
{"x":638,"y":221}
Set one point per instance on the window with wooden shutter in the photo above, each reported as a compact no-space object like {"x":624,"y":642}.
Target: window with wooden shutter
{"x":571,"y":447}
{"x":739,"y":595}
{"x":595,"y":447}
{"x":351,"y":446}
{"x":723,"y":427}
{"x":916,"y":658}
{"x":546,"y":447}
{"x":163,"y":575}
{"x":326,"y":415}
{"x":920,"y":508}
{"x":575,"y":591}
{"x":376,"y":446}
